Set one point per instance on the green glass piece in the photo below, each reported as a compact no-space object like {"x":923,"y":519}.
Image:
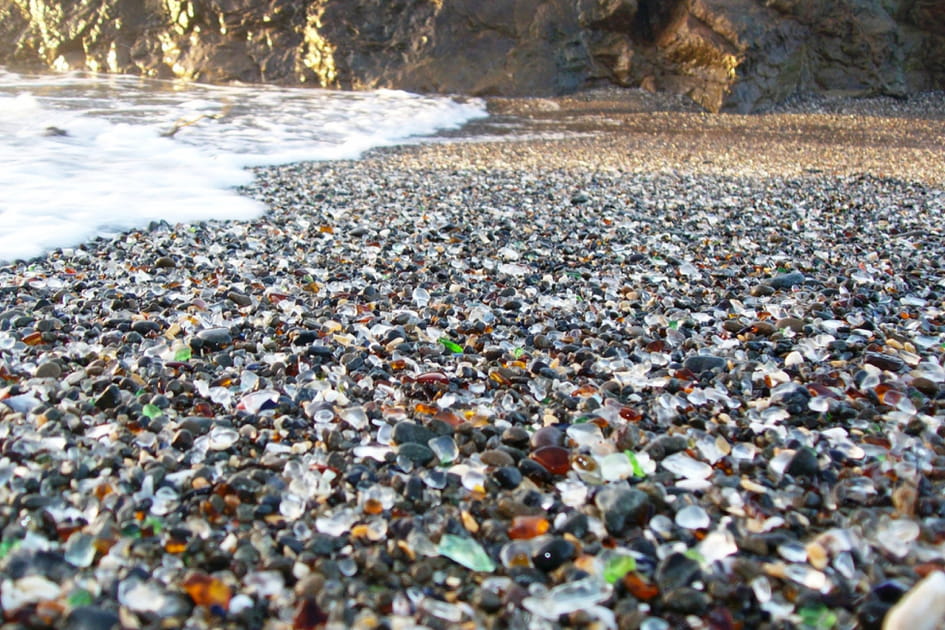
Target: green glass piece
{"x":637,"y":469}
{"x":818,"y":616}
{"x":618,"y":566}
{"x":518,"y":352}
{"x":154,"y":523}
{"x":465,"y":551}
{"x":79,"y":597}
{"x":183,"y":354}
{"x":693,"y":554}
{"x":7,"y":546}
{"x":151,"y":411}
{"x":455,"y":348}
{"x":674,"y":324}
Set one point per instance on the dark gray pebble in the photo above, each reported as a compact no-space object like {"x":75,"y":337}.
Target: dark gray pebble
{"x":803,"y":463}
{"x":553,"y":554}
{"x":507,"y":477}
{"x":49,"y":369}
{"x":406,"y":432}
{"x":91,"y":618}
{"x":621,"y":507}
{"x":677,"y":571}
{"x":704,"y":363}
{"x":687,"y":601}
{"x":417,"y":453}
{"x":215,"y":338}
{"x":109,"y":398}
{"x":787,"y":280}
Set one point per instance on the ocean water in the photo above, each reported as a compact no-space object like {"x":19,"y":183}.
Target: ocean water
{"x":91,"y":155}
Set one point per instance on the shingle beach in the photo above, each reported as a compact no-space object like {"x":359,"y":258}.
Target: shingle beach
{"x":595,"y":362}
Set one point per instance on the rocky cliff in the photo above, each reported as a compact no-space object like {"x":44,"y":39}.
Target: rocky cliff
{"x":735,"y":54}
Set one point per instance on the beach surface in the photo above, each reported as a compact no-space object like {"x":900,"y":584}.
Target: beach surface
{"x":599,"y":361}
{"x":637,"y":132}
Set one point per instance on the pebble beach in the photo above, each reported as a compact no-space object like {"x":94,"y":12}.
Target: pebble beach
{"x":594,"y":362}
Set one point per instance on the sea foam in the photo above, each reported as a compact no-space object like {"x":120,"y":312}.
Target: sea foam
{"x":92,"y":155}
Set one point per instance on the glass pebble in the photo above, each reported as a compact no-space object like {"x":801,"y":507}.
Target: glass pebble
{"x":524,"y":527}
{"x":896,"y":535}
{"x":444,"y":449}
{"x":683,"y":465}
{"x":465,"y":551}
{"x":793,"y":551}
{"x":292,"y":507}
{"x":569,"y":597}
{"x":555,"y":459}
{"x":79,"y":549}
{"x":337,"y":522}
{"x":693,"y":517}
{"x":617,"y":566}
{"x":615,"y":466}
{"x":222,"y":438}
{"x":573,"y":493}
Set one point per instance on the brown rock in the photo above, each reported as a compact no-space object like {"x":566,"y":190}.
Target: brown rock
{"x":734,"y":54}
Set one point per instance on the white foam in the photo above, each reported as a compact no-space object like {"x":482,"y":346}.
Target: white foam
{"x":119,"y":166}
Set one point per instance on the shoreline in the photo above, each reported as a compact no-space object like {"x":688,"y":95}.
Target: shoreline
{"x":590,"y":380}
{"x":636,"y":131}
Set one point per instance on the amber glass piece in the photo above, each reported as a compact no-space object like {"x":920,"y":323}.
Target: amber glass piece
{"x":555,"y":459}
{"x":175,"y":546}
{"x":427,"y":409}
{"x":888,"y":396}
{"x":102,"y":490}
{"x":520,"y":560}
{"x":584,"y":391}
{"x":498,"y":378}
{"x":203,"y":408}
{"x":640,"y":588}
{"x":207,"y":590}
{"x":630,"y":414}
{"x":103,"y":545}
{"x":656,"y":346}
{"x":33,"y":339}
{"x":528,"y":527}
{"x":449,"y":417}
{"x":373,"y":506}
{"x":433,"y":377}
{"x":816,"y":389}
{"x":64,"y":531}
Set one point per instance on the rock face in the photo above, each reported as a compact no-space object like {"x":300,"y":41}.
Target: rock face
{"x":734,"y":54}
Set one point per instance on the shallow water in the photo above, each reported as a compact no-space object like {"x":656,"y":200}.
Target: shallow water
{"x":86,"y":155}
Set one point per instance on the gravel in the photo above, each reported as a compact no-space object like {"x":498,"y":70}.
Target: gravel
{"x":639,"y":376}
